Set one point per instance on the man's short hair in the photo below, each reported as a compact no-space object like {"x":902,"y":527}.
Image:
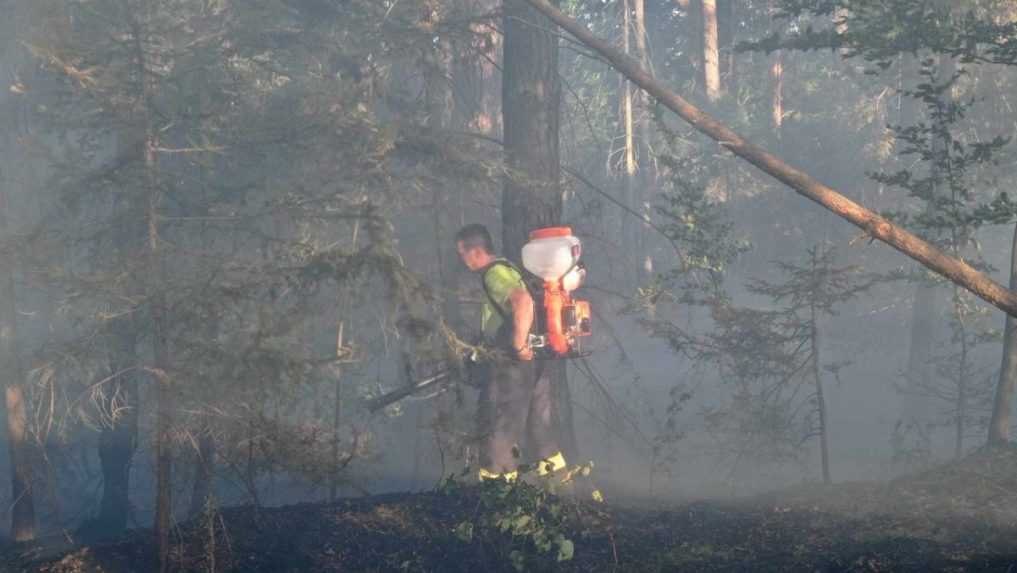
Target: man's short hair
{"x":475,"y":235}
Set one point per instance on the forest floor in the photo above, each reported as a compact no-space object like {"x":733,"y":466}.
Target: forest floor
{"x":957,"y":517}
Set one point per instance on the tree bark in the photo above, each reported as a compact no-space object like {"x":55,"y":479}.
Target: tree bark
{"x":644,"y":181}
{"x":962,"y":382}
{"x":1002,"y":406}
{"x":630,"y":227}
{"x":875,"y":225}
{"x":531,"y":100}
{"x":154,"y":285}
{"x":824,"y":430}
{"x":204,"y":471}
{"x":711,"y":51}
{"x":531,"y":97}
{"x":777,"y":91}
{"x":776,"y":84}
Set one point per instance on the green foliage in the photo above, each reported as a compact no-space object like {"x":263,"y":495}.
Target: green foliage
{"x":527,"y":525}
{"x":771,"y":358}
{"x":257,"y":156}
{"x":950,"y":206}
{"x":879,"y":31}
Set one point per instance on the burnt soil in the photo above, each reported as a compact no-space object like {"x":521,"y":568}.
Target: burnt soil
{"x":960,"y":517}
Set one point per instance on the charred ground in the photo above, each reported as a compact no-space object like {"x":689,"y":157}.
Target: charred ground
{"x":958,"y":517}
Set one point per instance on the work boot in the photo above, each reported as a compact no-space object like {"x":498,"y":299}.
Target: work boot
{"x":574,"y":482}
{"x":487,"y":475}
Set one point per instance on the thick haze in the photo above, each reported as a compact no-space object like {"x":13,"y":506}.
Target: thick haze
{"x":292,"y":166}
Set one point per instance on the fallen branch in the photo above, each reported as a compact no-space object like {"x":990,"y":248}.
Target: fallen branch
{"x":875,"y":225}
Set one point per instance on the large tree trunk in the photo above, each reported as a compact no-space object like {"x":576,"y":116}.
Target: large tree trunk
{"x":875,"y":225}
{"x":531,"y":99}
{"x":1002,"y":406}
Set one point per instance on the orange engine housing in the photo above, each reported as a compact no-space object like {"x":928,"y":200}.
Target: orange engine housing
{"x":565,"y":318}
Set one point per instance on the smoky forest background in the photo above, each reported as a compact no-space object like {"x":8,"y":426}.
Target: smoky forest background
{"x":226,"y":225}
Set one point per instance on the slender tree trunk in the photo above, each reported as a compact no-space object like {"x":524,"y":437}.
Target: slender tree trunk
{"x":154,"y":286}
{"x":962,"y":384}
{"x":777,"y":91}
{"x":824,"y":431}
{"x":204,"y":471}
{"x":927,"y":319}
{"x":1002,"y":406}
{"x":203,"y":488}
{"x":333,"y":480}
{"x":164,"y":393}
{"x":630,"y":227}
{"x":342,"y":309}
{"x":925,"y":322}
{"x":711,"y":51}
{"x":639,"y":178}
{"x":776,"y":84}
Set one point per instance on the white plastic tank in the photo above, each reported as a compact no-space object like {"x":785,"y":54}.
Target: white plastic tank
{"x":551,"y":252}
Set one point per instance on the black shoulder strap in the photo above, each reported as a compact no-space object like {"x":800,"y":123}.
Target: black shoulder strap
{"x":483,"y":282}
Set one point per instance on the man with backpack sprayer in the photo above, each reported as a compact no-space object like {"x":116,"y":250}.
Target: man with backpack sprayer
{"x":515,"y":394}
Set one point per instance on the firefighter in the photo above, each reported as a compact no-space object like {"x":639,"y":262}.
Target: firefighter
{"x":514,"y":406}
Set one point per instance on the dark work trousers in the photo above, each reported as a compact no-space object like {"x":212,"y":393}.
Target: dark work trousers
{"x":514,"y":409}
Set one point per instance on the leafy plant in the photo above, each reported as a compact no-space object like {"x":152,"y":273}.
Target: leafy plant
{"x":522,"y":522}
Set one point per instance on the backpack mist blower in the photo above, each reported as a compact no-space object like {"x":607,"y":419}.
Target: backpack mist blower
{"x":552,"y":257}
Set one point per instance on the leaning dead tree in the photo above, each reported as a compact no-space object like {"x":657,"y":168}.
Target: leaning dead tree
{"x":875,"y":225}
